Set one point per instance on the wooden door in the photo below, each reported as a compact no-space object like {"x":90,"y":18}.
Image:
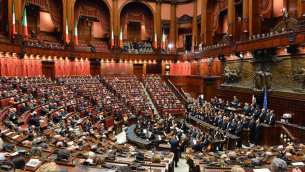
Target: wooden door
{"x":138,"y":70}
{"x":95,"y":69}
{"x":134,"y":31}
{"x":48,"y":70}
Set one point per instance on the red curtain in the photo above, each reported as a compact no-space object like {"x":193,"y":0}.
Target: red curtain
{"x":20,"y":67}
{"x":75,"y":68}
{"x":180,"y":68}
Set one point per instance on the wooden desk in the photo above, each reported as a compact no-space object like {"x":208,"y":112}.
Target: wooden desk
{"x":232,"y":139}
{"x":118,"y":127}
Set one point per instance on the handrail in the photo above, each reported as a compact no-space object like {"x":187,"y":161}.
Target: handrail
{"x":176,"y":90}
{"x":293,"y":131}
{"x":288,"y":132}
{"x":183,"y":93}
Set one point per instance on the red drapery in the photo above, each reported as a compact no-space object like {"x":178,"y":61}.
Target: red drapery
{"x":20,"y":67}
{"x":180,"y":68}
{"x":65,"y":68}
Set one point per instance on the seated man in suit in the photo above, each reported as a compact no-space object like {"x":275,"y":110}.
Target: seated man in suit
{"x":34,"y":120}
{"x":23,"y":108}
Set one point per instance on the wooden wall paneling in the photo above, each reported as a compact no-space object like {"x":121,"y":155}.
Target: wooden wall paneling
{"x":194,"y":67}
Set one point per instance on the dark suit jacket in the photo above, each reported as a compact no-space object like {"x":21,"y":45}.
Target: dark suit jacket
{"x":258,"y":132}
{"x":239,"y":130}
{"x":174,"y":145}
{"x":252,"y":126}
{"x":262,"y":116}
{"x":272,"y":120}
{"x":247,"y":110}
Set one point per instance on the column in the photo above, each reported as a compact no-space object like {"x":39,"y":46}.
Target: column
{"x":194,"y":34}
{"x":246,"y":17}
{"x":70,"y":19}
{"x":231,"y":18}
{"x":158,"y":23}
{"x":203,"y":21}
{"x":173,"y":26}
{"x":301,"y":8}
{"x":10,"y":10}
{"x":116,"y":25}
{"x":254,"y":17}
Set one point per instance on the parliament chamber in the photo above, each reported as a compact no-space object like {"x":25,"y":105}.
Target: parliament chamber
{"x":153,"y":86}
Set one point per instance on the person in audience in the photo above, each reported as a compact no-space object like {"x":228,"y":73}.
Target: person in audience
{"x":19,"y":162}
{"x":237,"y":169}
{"x":278,"y":165}
{"x":156,"y":159}
{"x":47,"y":167}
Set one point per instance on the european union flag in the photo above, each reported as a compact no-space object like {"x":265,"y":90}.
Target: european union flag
{"x":265,"y":99}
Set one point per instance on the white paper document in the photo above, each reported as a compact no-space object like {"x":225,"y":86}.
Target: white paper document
{"x":33,"y":163}
{"x":261,"y":170}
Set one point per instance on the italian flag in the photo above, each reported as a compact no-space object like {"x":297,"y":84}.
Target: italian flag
{"x":25,"y":25}
{"x":13,"y":23}
{"x":163,"y":40}
{"x":67,"y":32}
{"x":75,"y":35}
{"x":155,"y":39}
{"x":112,"y":39}
{"x":121,"y":38}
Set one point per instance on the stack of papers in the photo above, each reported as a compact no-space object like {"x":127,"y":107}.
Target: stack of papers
{"x":298,"y":163}
{"x":33,"y":162}
{"x":15,"y":137}
{"x":261,"y":170}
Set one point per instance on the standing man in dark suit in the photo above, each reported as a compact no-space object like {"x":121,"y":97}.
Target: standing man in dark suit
{"x":235,"y":102}
{"x":175,"y":148}
{"x":251,"y":127}
{"x":239,"y":133}
{"x":267,"y":117}
{"x":247,"y":109}
{"x":272,"y":118}
{"x":262,"y":116}
{"x":258,"y":132}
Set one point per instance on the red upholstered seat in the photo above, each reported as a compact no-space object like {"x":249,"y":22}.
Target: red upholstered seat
{"x":27,"y":119}
{"x":82,"y":113}
{"x":176,"y":110}
{"x":109,"y":122}
{"x":3,"y":103}
{"x":18,"y":107}
{"x":93,"y":118}
{"x":123,"y":116}
{"x":38,"y":110}
{"x":182,"y":110}
{"x":3,"y":115}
